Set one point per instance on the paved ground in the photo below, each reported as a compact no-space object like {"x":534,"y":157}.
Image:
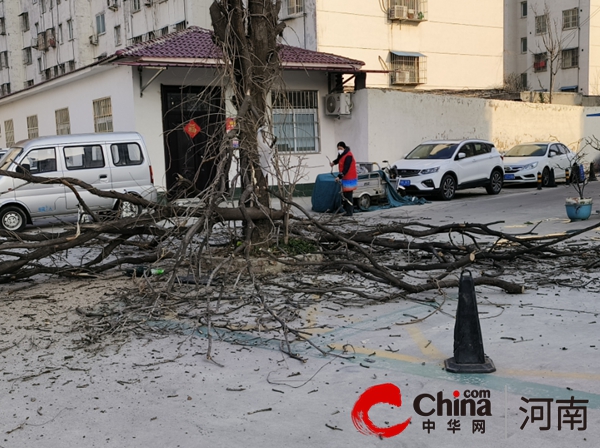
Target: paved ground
{"x":161,"y":392}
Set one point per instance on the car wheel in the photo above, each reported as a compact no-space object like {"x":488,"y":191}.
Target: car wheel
{"x":496,"y":180}
{"x":447,"y":187}
{"x":545,"y":177}
{"x":364,"y":202}
{"x":128,"y":210}
{"x":13,"y":219}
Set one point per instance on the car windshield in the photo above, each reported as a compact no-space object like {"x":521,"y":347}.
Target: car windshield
{"x":7,"y":158}
{"x":433,"y":151}
{"x":528,"y":150}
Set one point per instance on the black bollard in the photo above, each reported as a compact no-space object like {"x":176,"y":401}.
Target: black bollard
{"x":551,"y":179}
{"x":469,"y":356}
{"x":592,"y":175}
{"x":539,"y":181}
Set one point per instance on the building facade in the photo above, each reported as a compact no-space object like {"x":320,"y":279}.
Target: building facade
{"x":553,"y":45}
{"x":406,"y":44}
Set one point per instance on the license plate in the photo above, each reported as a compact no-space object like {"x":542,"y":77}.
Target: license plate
{"x":404,"y":183}
{"x":509,"y":177}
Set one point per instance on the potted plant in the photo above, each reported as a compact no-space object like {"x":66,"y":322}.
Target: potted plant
{"x":580,"y":207}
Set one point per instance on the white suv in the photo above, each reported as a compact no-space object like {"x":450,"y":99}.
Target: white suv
{"x":445,"y":166}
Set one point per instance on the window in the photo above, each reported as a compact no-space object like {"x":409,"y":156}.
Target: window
{"x":103,"y":115}
{"x":29,"y":83}
{"x":5,"y":89}
{"x":25,"y":21}
{"x":124,"y":154}
{"x":539,"y":62}
{"x":135,"y":5}
{"x":40,"y":65}
{"x":43,"y":5}
{"x":180,"y":26}
{"x":569,"y":19}
{"x":523,"y":45}
{"x":2,"y":26}
{"x":524,"y":84}
{"x":60,"y":33}
{"x":100,"y":24}
{"x":27,"y":56}
{"x":82,"y":157}
{"x":3,"y":59}
{"x":71,"y":65}
{"x":37,"y":28}
{"x":295,"y":121}
{"x":41,"y":160}
{"x":32,"y":126}
{"x":70,"y":29}
{"x":10,"y":133}
{"x":63,"y":122}
{"x":541,"y":24}
{"x":164,"y":31}
{"x":570,"y":58}
{"x":295,"y":7}
{"x":407,"y":68}
{"x":523,"y":9}
{"x":118,"y":35}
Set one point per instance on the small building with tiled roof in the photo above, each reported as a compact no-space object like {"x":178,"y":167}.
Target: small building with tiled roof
{"x":164,"y":87}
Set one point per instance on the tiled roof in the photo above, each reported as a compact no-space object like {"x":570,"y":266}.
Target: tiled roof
{"x":195,"y":46}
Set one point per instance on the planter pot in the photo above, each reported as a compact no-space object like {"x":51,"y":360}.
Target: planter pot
{"x":578,"y":209}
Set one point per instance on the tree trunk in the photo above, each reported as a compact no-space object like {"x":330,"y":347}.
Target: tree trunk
{"x":247,"y":36}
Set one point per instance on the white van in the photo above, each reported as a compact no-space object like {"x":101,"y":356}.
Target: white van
{"x":110,"y":161}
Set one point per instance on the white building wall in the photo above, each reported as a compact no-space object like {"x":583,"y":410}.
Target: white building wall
{"x":393,"y":122}
{"x":76,"y":94}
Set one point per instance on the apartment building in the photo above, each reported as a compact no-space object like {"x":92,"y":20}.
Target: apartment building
{"x":407,"y":44}
{"x":43,"y":39}
{"x":553,"y":45}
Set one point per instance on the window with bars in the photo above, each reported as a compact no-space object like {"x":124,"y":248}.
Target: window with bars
{"x":9,"y":130}
{"x":135,"y":5}
{"x":296,"y":121}
{"x":570,"y":17}
{"x":407,"y":69}
{"x":541,"y":24}
{"x":180,"y":26}
{"x":32,"y":127}
{"x":540,"y":62}
{"x":63,"y":122}
{"x":295,"y":7}
{"x":570,"y":58}
{"x":103,"y":120}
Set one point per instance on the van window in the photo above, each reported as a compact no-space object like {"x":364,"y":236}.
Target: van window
{"x":83,"y":157}
{"x":40,"y":161}
{"x":124,"y":154}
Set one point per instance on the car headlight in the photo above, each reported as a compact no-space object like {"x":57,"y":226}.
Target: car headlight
{"x":430,"y":170}
{"x":530,"y":166}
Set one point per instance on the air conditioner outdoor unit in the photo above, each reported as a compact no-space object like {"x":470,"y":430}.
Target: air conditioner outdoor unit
{"x":338,"y":104}
{"x":94,"y":39}
{"x":398,"y":12}
{"x":401,"y":77}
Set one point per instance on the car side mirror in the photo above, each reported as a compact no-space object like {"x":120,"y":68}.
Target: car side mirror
{"x":23,"y":168}
{"x":460,"y":155}
{"x":552,"y":154}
